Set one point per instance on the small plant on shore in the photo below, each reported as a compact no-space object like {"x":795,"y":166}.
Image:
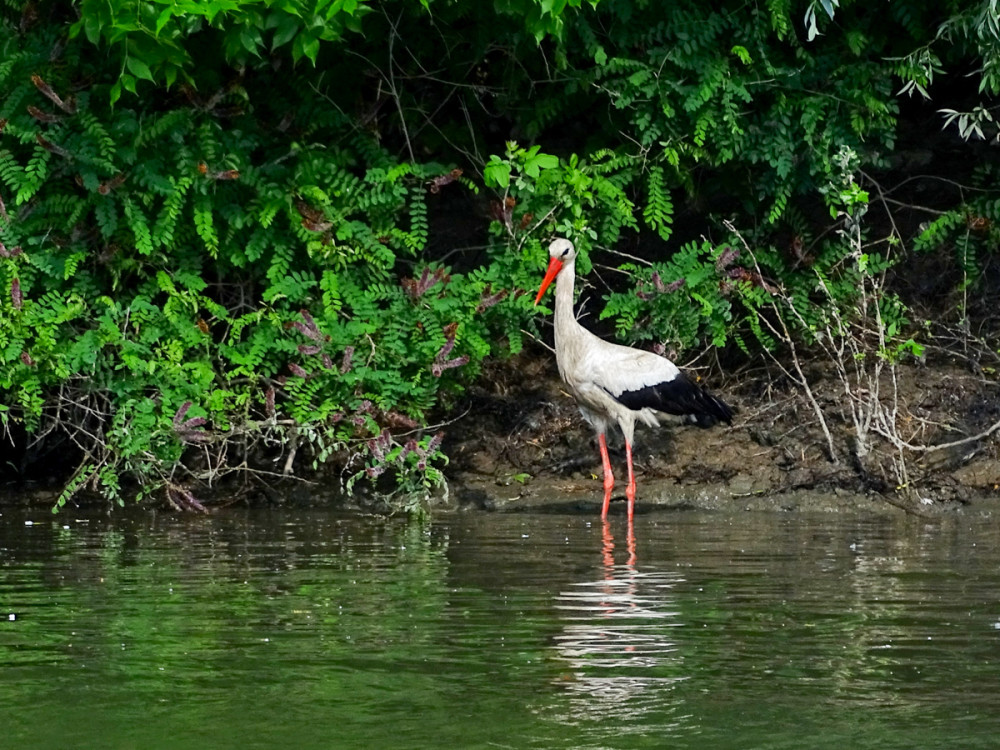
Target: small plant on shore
{"x":863,"y":333}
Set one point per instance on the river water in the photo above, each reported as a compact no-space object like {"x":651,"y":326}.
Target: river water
{"x":311,"y":629}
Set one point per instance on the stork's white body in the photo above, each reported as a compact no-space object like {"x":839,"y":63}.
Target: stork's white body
{"x":613,"y":383}
{"x":598,"y":372}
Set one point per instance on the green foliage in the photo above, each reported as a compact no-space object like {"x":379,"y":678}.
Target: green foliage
{"x":218,"y":232}
{"x":689,"y":99}
{"x":699,"y":123}
{"x":969,"y":232}
{"x":152,"y":41}
{"x":659,"y":209}
{"x":840,"y":300}
{"x":156,"y":261}
{"x":682,"y":302}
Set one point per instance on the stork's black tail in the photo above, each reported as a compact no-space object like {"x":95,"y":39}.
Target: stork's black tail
{"x":681,"y":397}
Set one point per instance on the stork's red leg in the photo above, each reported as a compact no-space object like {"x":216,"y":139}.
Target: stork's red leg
{"x":630,"y":487}
{"x":609,"y":478}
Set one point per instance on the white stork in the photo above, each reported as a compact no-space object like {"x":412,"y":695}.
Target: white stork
{"x":613,"y":383}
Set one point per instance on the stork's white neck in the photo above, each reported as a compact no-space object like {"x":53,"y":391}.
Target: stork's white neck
{"x":566,"y":325}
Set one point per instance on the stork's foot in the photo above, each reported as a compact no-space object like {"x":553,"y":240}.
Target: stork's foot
{"x":609,"y":485}
{"x":617,"y":503}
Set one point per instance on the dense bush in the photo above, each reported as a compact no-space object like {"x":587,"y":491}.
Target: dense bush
{"x":215,"y":270}
{"x":215,"y":234}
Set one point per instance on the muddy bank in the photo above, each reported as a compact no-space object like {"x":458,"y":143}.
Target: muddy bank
{"x":522,"y":445}
{"x":517,"y":443}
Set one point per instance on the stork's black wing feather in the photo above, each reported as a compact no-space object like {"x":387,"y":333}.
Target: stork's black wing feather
{"x":681,"y":397}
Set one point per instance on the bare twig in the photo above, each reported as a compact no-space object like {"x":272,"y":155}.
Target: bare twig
{"x":390,"y":79}
{"x":785,"y":336}
{"x":894,"y":438}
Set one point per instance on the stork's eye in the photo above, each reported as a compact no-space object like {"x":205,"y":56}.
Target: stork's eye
{"x":565,"y":252}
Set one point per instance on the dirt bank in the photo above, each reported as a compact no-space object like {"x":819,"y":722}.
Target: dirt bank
{"x":522,"y":444}
{"x":517,"y":442}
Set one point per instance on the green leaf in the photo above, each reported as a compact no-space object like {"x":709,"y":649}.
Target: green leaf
{"x":163,"y":19}
{"x":139,"y":69}
{"x":537,"y":162}
{"x":497,"y":173}
{"x":92,"y":28}
{"x":742,"y":53}
{"x":127,"y":82}
{"x":306,"y":46}
{"x":285,"y":30}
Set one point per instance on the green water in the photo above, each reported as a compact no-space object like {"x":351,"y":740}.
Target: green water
{"x":264,"y":629}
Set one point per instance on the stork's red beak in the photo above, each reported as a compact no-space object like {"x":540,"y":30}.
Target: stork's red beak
{"x":555,"y":266}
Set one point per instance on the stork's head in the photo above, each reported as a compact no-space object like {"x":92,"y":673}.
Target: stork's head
{"x":561,"y":252}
